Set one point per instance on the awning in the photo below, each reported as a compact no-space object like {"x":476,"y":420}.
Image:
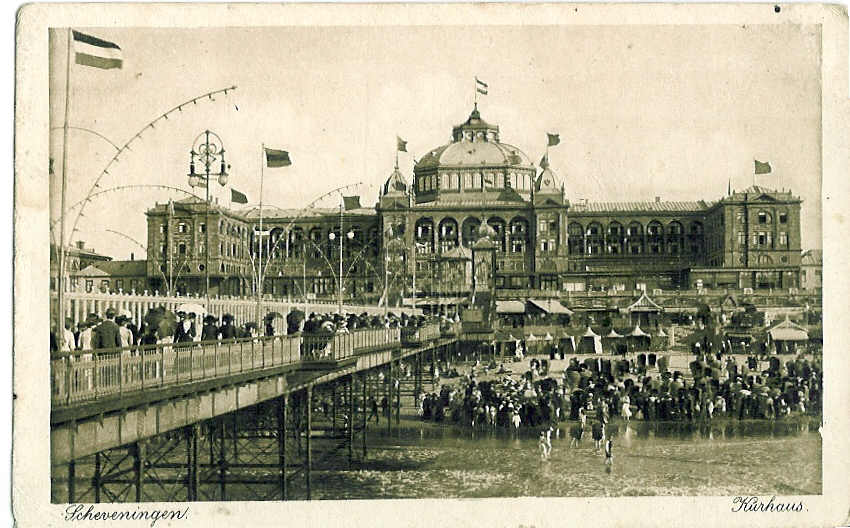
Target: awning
{"x":612,"y":334}
{"x":637,"y":332}
{"x":789,"y":334}
{"x":510,"y":307}
{"x":550,"y":306}
{"x":590,"y":333}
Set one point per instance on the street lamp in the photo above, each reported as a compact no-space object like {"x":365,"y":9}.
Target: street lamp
{"x":332,"y":237}
{"x":206,"y":150}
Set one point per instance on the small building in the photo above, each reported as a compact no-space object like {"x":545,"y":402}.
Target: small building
{"x":811,"y":270}
{"x":112,"y":277}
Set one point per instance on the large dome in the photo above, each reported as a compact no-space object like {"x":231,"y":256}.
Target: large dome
{"x":475,"y":143}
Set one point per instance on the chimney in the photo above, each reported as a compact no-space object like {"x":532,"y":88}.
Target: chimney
{"x":657,"y":199}
{"x":132,"y":256}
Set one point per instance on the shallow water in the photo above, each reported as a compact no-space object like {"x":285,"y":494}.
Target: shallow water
{"x":734,"y":458}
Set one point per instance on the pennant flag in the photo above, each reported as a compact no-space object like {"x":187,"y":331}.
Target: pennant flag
{"x":480,"y":86}
{"x":277,"y":158}
{"x":238,"y":197}
{"x":351,"y":202}
{"x":762,"y":168}
{"x":554,"y":139}
{"x":544,"y":161}
{"x":95,"y":52}
{"x":401,"y":145}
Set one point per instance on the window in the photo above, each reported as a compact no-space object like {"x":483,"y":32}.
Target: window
{"x":544,"y":246}
{"x":783,"y":238}
{"x":119,"y":284}
{"x":783,"y":218}
{"x":233,"y":250}
{"x":467,"y":180}
{"x":221,"y":248}
{"x":163,"y":228}
{"x":202,"y":228}
{"x":104,"y":284}
{"x":742,"y":238}
{"x":783,"y":259}
{"x":202,"y":249}
{"x":181,"y":227}
{"x":762,"y":239}
{"x":181,"y":249}
{"x":764,"y":217}
{"x":89,"y":285}
{"x":162,"y":250}
{"x":543,"y":226}
{"x":739,"y":217}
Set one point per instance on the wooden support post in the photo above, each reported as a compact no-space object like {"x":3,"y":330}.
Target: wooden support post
{"x":365,"y":412}
{"x":309,"y":462}
{"x":72,"y":481}
{"x":139,"y":467}
{"x":333,"y":408}
{"x":195,"y":469}
{"x":96,"y":478}
{"x":351,"y":410}
{"x":398,"y":396}
{"x":222,"y":461}
{"x":189,"y":495}
{"x":389,"y":395}
{"x":281,"y":443}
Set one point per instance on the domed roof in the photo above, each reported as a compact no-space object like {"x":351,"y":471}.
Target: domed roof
{"x":548,"y":181}
{"x":395,"y":183}
{"x":474,"y":143}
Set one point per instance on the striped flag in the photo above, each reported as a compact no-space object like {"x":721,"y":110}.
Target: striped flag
{"x":762,"y":168}
{"x":95,"y":52}
{"x":277,"y":158}
{"x":480,"y":86}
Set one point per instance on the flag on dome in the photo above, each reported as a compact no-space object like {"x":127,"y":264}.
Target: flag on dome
{"x":554,"y":139}
{"x":480,"y":86}
{"x":762,"y":168}
{"x":401,"y":145}
{"x":277,"y":158}
{"x":544,"y":161}
{"x":95,"y":52}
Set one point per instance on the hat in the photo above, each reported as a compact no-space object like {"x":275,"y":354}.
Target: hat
{"x":110,"y":313}
{"x":191,"y":315}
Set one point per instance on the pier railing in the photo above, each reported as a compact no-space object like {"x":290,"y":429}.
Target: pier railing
{"x":334,"y":347}
{"x":88,"y":375}
{"x":419,"y":335}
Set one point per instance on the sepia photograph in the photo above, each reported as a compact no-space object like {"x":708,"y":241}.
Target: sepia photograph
{"x":475,"y":257}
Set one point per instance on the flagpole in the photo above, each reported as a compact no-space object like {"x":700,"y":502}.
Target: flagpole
{"x":60,"y":283}
{"x":260,"y":261}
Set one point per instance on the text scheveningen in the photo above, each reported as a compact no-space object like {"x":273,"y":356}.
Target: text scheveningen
{"x":79,"y":512}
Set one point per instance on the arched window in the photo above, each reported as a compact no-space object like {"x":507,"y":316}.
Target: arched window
{"x":519,"y":234}
{"x":764,"y":217}
{"x":614,"y":238}
{"x":448,"y":234}
{"x":765,"y":260}
{"x":498,"y":225}
{"x":316,"y":242}
{"x":296,"y":242}
{"x":695,"y":238}
{"x":575,"y":232}
{"x":594,"y":239}
{"x":634,"y":238}
{"x":655,"y":237}
{"x":675,"y":238}
{"x":424,"y":235}
{"x":469,"y":231}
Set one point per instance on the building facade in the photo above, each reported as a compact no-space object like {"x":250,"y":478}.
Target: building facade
{"x":418,"y":239}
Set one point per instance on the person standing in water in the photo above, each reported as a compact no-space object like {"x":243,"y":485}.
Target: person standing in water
{"x":609,"y":455}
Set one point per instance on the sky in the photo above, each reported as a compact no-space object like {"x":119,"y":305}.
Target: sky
{"x":642,"y":111}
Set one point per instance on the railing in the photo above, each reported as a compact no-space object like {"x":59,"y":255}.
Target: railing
{"x":450,"y":330}
{"x":416,"y":336}
{"x":89,"y":375}
{"x":328,"y":347}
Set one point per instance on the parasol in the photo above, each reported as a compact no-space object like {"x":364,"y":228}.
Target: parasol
{"x":194,"y":308}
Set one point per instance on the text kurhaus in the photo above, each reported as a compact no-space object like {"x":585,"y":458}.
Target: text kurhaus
{"x":74,"y":512}
{"x":755,"y":504}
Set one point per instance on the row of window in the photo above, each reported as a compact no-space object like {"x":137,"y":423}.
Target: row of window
{"x":764,"y":239}
{"x":763,"y":217}
{"x":107,"y":284}
{"x":455,"y":181}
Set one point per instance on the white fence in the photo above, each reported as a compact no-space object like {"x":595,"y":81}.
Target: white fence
{"x":79,"y":305}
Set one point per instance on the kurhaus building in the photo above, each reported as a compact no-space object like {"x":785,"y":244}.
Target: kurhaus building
{"x":419,"y":236}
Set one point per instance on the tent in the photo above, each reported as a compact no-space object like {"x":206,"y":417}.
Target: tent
{"x":566,"y":345}
{"x":786,"y":336}
{"x":638,"y":339}
{"x":590,"y":343}
{"x":611,"y":341}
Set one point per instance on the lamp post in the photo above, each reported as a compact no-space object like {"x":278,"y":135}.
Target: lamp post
{"x":332,"y":236}
{"x":206,"y":150}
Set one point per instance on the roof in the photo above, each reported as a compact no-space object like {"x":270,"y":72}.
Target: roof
{"x":589,"y":333}
{"x":644,"y":304}
{"x":396,"y":183}
{"x":510,"y":307}
{"x":270,"y":212}
{"x":551,"y":306}
{"x":788,"y":331}
{"x":649,"y":207}
{"x":637,"y":332}
{"x":812,"y":257}
{"x":116,"y":268}
{"x":459,"y":252}
{"x":613,"y":333}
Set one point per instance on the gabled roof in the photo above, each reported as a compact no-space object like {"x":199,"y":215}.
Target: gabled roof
{"x":115,"y":268}
{"x":644,"y":304}
{"x":459,"y":252}
{"x":788,"y":331}
{"x":613,"y":334}
{"x":510,"y":307}
{"x":590,"y":333}
{"x":637,"y":332}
